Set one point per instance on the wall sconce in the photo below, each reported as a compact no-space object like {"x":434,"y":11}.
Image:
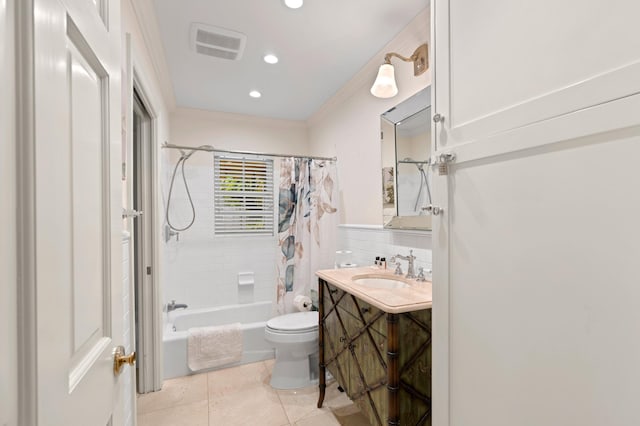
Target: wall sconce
{"x":385,"y":84}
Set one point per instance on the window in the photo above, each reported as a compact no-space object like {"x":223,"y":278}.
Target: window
{"x":243,"y":196}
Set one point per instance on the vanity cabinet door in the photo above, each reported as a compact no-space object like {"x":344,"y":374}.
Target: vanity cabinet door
{"x":348,"y":305}
{"x":351,"y":326}
{"x":414,"y":342}
{"x":368,"y":352}
{"x":336,"y":353}
{"x":369,"y":375}
{"x":374,"y":317}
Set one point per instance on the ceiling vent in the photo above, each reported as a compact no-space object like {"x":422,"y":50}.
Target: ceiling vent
{"x":217,"y":42}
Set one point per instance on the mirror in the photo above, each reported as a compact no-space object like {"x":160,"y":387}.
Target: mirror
{"x":406,"y":174}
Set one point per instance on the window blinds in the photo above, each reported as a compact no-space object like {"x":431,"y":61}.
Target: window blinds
{"x":243,"y":196}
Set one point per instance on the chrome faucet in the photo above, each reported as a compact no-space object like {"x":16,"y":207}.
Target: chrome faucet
{"x":172,"y":306}
{"x":410,"y":270}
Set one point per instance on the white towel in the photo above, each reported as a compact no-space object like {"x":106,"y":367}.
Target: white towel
{"x":214,"y":346}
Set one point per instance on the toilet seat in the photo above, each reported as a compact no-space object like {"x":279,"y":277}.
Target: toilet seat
{"x":297,"y":323}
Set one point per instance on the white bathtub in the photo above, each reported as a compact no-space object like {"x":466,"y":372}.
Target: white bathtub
{"x":253,"y":317}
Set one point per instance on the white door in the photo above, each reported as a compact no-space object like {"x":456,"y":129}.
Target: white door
{"x":77,"y":224}
{"x":8,"y":273}
{"x":536,"y":295}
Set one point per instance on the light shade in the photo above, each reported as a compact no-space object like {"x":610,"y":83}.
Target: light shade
{"x":293,"y":4}
{"x":385,"y":84}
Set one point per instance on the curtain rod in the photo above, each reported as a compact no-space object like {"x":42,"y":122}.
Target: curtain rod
{"x":415,"y":161}
{"x":209,"y":148}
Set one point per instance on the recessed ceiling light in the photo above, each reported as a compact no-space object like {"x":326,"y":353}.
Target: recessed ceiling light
{"x":271,"y":59}
{"x":255,"y":94}
{"x":293,"y":4}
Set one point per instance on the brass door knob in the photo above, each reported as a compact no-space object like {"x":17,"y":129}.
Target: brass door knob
{"x":120,"y":359}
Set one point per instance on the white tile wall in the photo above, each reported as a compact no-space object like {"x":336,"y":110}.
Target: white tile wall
{"x":367,"y":242}
{"x":202,"y":270}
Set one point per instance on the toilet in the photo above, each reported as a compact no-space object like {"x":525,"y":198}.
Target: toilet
{"x":295,"y":339}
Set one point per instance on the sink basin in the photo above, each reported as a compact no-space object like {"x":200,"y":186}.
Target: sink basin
{"x":379,"y":281}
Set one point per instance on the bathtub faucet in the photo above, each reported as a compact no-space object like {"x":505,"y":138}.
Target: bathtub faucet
{"x":172,"y":306}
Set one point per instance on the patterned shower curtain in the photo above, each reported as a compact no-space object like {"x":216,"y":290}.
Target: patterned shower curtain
{"x":307,"y":225}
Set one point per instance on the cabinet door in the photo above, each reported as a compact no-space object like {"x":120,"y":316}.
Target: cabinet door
{"x":373,"y":316}
{"x":335,"y":340}
{"x":369,"y":375}
{"x":535,"y":293}
{"x":415,"y":371}
{"x":502,"y":65}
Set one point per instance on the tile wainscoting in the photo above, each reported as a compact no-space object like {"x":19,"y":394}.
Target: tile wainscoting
{"x":368,"y":241}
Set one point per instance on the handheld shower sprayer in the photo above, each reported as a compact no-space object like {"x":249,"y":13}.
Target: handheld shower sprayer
{"x":172,"y":230}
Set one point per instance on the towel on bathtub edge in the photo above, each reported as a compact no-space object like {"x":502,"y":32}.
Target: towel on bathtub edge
{"x":214,"y":346}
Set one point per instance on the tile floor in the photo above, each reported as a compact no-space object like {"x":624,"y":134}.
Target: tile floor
{"x":242,"y":396}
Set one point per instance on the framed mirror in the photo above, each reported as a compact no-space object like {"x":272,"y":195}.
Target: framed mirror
{"x":406,"y":174}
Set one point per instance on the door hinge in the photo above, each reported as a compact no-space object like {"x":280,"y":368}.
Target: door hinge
{"x":442,"y":161}
{"x":148,"y":270}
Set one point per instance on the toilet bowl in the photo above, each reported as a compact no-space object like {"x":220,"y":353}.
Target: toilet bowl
{"x":295,"y":339}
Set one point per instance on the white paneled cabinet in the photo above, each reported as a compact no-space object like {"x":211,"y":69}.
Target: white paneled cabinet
{"x":536,"y":315}
{"x":503,"y":65}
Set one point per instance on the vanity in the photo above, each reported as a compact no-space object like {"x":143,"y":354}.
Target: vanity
{"x":375,"y":339}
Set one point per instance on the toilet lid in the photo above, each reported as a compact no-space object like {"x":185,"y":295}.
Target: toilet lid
{"x":300,"y":321}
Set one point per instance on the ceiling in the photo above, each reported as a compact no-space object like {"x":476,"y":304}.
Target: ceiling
{"x":320,"y":47}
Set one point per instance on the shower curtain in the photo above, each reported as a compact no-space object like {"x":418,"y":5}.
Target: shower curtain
{"x":307,"y":226}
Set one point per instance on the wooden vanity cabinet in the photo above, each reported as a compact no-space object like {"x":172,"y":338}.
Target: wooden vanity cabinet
{"x":382,"y":360}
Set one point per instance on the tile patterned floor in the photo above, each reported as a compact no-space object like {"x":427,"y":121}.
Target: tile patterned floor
{"x":242,"y":396}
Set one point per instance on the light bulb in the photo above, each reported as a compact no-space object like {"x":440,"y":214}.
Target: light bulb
{"x":271,"y":59}
{"x":293,"y":4}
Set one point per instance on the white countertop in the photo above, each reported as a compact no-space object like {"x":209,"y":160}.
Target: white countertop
{"x":415,"y":297}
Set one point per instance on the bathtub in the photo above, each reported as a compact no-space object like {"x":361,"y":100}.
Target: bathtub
{"x":253,"y":317}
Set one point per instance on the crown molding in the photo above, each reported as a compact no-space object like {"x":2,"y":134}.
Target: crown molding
{"x":148,"y":23}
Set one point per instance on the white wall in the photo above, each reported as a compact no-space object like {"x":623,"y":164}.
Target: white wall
{"x":193,"y":127}
{"x":148,"y":74}
{"x":8,"y":278}
{"x":348,"y":126}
